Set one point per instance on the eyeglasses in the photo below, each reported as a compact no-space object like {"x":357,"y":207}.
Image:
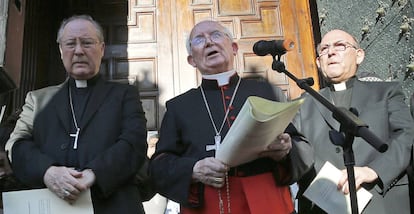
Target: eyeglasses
{"x":84,"y":43}
{"x":215,"y":36}
{"x":337,"y":46}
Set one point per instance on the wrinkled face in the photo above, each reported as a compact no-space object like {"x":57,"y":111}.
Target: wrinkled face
{"x":339,"y":56}
{"x":212,"y":50}
{"x":80,"y":49}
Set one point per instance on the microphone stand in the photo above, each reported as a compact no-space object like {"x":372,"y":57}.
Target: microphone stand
{"x":351,"y":126}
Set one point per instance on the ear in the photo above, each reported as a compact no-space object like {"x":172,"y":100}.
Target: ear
{"x":360,"y":56}
{"x":318,"y":63}
{"x":103,"y":49}
{"x":235,"y":48}
{"x":190,"y":61}
{"x":60,"y":51}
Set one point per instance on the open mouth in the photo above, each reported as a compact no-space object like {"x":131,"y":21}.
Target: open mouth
{"x":212,"y":53}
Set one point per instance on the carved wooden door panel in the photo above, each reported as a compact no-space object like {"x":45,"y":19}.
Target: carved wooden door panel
{"x":250,"y":21}
{"x":137,"y":51}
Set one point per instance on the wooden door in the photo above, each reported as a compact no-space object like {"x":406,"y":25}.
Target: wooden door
{"x":136,"y":51}
{"x":250,"y":21}
{"x":149,"y":50}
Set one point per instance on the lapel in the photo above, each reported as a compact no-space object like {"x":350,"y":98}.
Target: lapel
{"x":326,"y":114}
{"x":357,"y":102}
{"x":97,"y":97}
{"x":61,"y":104}
{"x":360,"y":101}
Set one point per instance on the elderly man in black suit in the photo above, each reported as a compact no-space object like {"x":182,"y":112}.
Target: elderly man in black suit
{"x":85,"y":133}
{"x":381,"y":105}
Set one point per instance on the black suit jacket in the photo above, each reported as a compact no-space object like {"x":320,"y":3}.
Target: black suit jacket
{"x":112,"y":141}
{"x":381,"y":106}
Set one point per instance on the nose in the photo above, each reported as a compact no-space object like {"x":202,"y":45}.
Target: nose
{"x":331,"y":50}
{"x":78,"y":48}
{"x":209,"y":41}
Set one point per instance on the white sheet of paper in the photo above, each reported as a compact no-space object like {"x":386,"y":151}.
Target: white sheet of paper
{"x":257,"y":125}
{"x":323,"y":192}
{"x":43,"y":201}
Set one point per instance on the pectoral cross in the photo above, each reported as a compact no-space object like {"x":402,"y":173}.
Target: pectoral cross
{"x":76,"y":136}
{"x":217,"y":141}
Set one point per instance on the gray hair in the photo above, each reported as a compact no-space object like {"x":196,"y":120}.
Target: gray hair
{"x":99,"y":30}
{"x":188,"y":40}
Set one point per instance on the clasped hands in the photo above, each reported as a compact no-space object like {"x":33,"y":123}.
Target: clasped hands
{"x":68,"y":183}
{"x":211,"y":171}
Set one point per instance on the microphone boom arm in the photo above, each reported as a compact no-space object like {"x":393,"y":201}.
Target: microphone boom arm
{"x":351,"y":126}
{"x":352,"y":123}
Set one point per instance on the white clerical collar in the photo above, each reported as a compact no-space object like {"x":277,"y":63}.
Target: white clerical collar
{"x":81,"y":83}
{"x":339,"y":86}
{"x":222,"y":78}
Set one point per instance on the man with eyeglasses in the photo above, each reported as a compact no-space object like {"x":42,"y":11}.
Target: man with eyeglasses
{"x":381,"y":106}
{"x":86,"y":133}
{"x":183,"y":167}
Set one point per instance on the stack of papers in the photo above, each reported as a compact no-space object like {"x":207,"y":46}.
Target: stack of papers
{"x":43,"y":201}
{"x":257,"y":125}
{"x":323,"y":191}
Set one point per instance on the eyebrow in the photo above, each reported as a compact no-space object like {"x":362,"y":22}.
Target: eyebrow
{"x":81,"y":38}
{"x":202,"y":33}
{"x":337,"y":42}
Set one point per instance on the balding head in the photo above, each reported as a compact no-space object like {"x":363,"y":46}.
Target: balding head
{"x":339,"y":56}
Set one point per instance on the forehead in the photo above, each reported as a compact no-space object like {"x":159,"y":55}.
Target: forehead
{"x":79,"y":28}
{"x":205,"y":27}
{"x":335,"y":36}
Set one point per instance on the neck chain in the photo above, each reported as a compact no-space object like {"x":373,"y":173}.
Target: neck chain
{"x":75,"y":135}
{"x":225,"y":115}
{"x":217,"y":139}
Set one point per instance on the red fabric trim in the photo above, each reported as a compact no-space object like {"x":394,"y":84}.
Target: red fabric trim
{"x":193,"y":196}
{"x":248,"y":195}
{"x":223,"y":99}
{"x":265,"y":196}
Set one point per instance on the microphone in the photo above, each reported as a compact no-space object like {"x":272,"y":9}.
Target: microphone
{"x":273,"y":47}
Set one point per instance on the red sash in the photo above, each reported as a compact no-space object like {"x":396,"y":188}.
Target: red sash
{"x":248,"y":195}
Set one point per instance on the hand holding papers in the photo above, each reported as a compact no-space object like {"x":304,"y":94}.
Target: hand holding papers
{"x":258,"y":124}
{"x":43,"y":201}
{"x":323,"y":191}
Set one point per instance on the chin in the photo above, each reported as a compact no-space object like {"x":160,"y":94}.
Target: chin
{"x":334,"y":75}
{"x":335,"y":80}
{"x":82,"y":75}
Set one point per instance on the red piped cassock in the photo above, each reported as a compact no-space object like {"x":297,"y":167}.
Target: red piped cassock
{"x":256,"y":194}
{"x":257,"y":187}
